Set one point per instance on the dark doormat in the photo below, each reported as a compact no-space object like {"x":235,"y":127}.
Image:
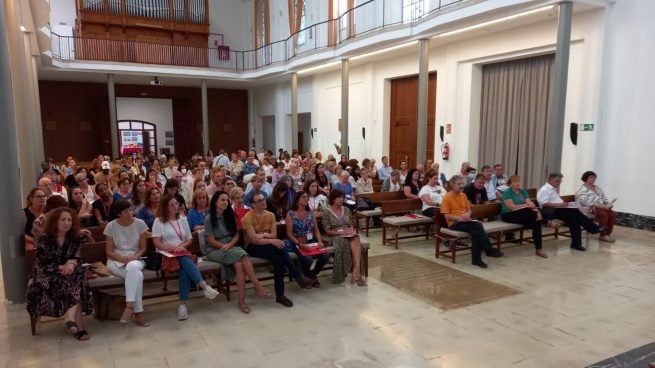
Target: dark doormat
{"x":440,"y":285}
{"x":635,"y":358}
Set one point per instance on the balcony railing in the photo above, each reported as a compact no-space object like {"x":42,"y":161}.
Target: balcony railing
{"x":361,"y":20}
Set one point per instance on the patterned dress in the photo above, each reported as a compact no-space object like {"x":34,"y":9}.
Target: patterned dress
{"x":343,"y":261}
{"x":50,"y":293}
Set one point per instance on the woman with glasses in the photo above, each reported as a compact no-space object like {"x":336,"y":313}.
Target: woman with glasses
{"x":171,"y":233}
{"x":124,"y":190}
{"x":82,"y":180}
{"x":36,"y":201}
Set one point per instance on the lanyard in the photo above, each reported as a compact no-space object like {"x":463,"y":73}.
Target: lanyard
{"x":178,"y":232}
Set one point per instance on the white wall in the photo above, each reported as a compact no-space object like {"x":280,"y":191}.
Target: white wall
{"x":234,"y":20}
{"x":268,"y":133}
{"x":625,"y":128}
{"x":62,"y":16}
{"x":158,"y":111}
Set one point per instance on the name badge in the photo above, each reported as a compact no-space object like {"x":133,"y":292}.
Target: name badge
{"x":310,"y":236}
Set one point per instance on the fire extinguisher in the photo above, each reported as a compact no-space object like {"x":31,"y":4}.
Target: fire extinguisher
{"x":445,"y":151}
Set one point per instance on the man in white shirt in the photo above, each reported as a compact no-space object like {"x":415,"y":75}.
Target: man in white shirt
{"x":499,"y":179}
{"x":492,"y":194}
{"x":221,"y":159}
{"x":266,"y":186}
{"x":392,"y":183}
{"x":552,"y":206}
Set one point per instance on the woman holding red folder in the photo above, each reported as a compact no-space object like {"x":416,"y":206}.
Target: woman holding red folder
{"x":304,"y":238}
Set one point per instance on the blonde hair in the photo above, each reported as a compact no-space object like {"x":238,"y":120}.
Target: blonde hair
{"x":234,"y":192}
{"x":513,"y":179}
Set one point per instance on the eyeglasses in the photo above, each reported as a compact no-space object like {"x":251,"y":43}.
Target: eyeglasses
{"x":258,"y":201}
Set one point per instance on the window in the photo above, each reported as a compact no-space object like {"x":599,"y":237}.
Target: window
{"x":303,"y":24}
{"x":261,"y":23}
{"x":137,"y":137}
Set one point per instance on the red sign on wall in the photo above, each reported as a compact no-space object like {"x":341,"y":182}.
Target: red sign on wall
{"x":449,"y":128}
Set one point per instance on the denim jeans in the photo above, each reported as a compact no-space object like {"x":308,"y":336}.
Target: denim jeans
{"x":188,"y":272}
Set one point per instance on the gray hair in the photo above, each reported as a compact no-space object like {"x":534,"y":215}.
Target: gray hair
{"x":453,"y":180}
{"x":395,"y":173}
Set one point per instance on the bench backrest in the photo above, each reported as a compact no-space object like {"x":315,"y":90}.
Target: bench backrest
{"x":93,"y":252}
{"x":485,"y":210}
{"x":400,"y":206}
{"x":379,"y":197}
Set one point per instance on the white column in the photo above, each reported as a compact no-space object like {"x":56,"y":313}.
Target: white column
{"x":345,"y":80}
{"x":422,"y":126}
{"x":205,"y":117}
{"x":294,"y":112}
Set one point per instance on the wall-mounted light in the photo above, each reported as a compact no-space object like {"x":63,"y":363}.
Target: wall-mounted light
{"x":23,"y":29}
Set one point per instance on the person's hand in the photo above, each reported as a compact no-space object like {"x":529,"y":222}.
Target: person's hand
{"x":179,"y":249}
{"x":87,"y":233}
{"x":226,"y":247}
{"x":277,"y":243}
{"x":465,"y":218}
{"x":321,"y":245}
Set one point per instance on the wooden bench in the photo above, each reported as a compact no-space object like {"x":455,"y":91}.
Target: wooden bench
{"x":397,"y":214}
{"x":495,"y":229}
{"x":375,"y":198}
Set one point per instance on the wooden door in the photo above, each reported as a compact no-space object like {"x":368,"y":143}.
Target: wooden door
{"x":404,"y":116}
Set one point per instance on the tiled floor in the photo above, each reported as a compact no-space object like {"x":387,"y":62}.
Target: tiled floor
{"x":574,"y":309}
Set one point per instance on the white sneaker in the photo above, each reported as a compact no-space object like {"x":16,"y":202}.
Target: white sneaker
{"x":210,"y":292}
{"x":182,"y":313}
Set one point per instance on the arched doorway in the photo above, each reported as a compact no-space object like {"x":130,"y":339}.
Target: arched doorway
{"x":136,"y":136}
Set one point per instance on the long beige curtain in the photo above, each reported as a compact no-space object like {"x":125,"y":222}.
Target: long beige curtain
{"x":514,"y":116}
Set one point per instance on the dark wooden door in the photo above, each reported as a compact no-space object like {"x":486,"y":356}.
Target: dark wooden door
{"x":404,"y":116}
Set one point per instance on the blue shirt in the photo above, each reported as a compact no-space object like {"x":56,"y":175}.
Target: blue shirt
{"x":384,"y":172}
{"x":195,"y":218}
{"x":147,"y":217}
{"x":346,"y":188}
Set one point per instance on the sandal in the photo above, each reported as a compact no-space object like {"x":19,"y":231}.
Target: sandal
{"x":263,"y":293}
{"x":359,"y":280}
{"x":541,"y":253}
{"x":244,"y":308}
{"x":126,"y":317}
{"x":140,"y":320}
{"x":82,"y":335}
{"x":71,"y":327}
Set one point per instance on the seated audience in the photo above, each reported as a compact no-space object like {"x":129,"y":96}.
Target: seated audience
{"x":402,"y":169}
{"x":392,"y":183}
{"x":153,"y":180}
{"x":171,"y":233}
{"x":36,"y":202}
{"x":124,"y":190}
{"x":102,"y":205}
{"x":412,"y":184}
{"x":499,"y":179}
{"x":592,"y":196}
{"x":260,"y":232}
{"x":492,"y":193}
{"x":337,"y":223}
{"x":296,"y":176}
{"x":457,"y":211}
{"x":316,"y":199}
{"x":240,"y":209}
{"x":266,"y":186}
{"x":321,"y":178}
{"x":281,"y":199}
{"x":58,"y":287}
{"x":172,"y":188}
{"x":199,"y":210}
{"x":82,"y":181}
{"x":223,"y":246}
{"x":38,"y":226}
{"x":475,"y":191}
{"x":81,"y":206}
{"x":302,"y":232}
{"x":149,"y":211}
{"x":344,"y":185}
{"x":139,"y":192}
{"x":125,"y":245}
{"x":517,"y":208}
{"x":431,"y":194}
{"x":257,"y":184}
{"x":364,"y":184}
{"x":385,"y":170}
{"x":552,"y":206}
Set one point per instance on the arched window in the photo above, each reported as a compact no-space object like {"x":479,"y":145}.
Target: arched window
{"x":136,"y":136}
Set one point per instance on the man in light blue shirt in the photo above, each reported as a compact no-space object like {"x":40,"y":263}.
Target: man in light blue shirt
{"x":385,"y":170}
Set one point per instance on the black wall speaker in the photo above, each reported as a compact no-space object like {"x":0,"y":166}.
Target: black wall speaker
{"x":363,"y":133}
{"x":573,"y":132}
{"x":441,"y":131}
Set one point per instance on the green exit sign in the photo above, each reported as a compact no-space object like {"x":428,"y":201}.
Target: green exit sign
{"x":586,"y":127}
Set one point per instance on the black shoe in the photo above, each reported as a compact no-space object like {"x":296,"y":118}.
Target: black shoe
{"x":579,"y":247}
{"x":494,"y":253}
{"x":479,"y":263}
{"x":284,"y":301}
{"x":305,"y":282}
{"x":510,"y":238}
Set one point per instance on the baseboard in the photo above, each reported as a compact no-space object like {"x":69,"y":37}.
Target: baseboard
{"x":635,"y":221}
